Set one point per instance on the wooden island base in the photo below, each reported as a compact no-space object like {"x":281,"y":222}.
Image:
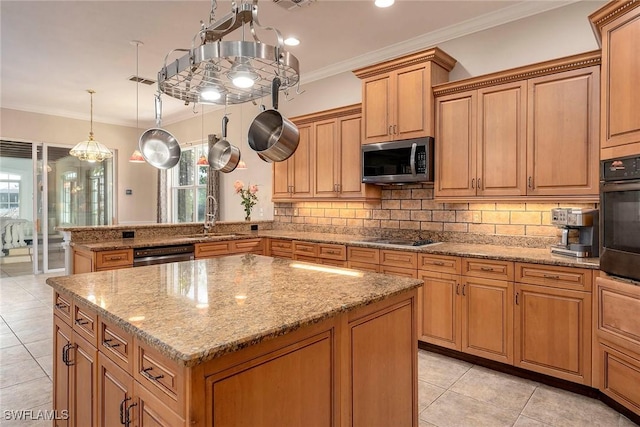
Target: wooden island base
{"x":358,"y":368}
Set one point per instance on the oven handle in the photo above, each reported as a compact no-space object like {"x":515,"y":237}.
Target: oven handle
{"x":162,"y":259}
{"x":608,"y":187}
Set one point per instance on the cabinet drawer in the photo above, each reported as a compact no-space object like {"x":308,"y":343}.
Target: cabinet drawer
{"x":487,"y":268}
{"x":363,"y":255}
{"x":439,"y":263}
{"x":618,"y":308}
{"x":305,"y":258}
{"x":335,"y":252}
{"x":554,"y":276}
{"x":619,"y":376}
{"x":85,"y":323}
{"x":62,"y":307}
{"x":114,"y":259}
{"x":161,"y":376}
{"x":116,"y":344}
{"x":332,"y":262}
{"x":398,"y":259}
{"x":363,"y":266}
{"x":213,"y":249}
{"x":305,"y":248}
{"x":281,"y":248}
{"x":246,"y":246}
{"x":399,"y":271}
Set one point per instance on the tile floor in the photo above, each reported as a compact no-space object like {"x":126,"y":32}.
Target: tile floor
{"x":451,"y":392}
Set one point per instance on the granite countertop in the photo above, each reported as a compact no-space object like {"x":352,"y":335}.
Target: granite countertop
{"x":195,"y":311}
{"x":506,"y":253}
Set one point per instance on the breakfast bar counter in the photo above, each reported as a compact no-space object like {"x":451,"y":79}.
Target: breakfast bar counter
{"x":237,"y":340}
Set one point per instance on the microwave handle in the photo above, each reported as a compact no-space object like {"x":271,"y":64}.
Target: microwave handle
{"x":412,"y":160}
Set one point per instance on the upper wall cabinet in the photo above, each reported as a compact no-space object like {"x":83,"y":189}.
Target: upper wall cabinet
{"x":617,"y":27}
{"x":530,"y":131}
{"x":397,"y":99}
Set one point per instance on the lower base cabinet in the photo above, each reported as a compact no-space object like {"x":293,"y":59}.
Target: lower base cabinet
{"x":619,"y":374}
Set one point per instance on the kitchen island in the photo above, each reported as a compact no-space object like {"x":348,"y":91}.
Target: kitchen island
{"x":242,"y":340}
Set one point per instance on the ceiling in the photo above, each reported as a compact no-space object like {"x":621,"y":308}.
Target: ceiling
{"x":53,"y":51}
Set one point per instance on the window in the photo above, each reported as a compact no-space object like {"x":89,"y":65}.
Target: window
{"x":9,"y":195}
{"x":189,"y":185}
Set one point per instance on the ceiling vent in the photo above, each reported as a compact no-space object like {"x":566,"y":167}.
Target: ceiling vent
{"x":138,"y":79}
{"x":293,"y":4}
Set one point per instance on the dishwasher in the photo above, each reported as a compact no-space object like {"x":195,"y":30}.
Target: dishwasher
{"x":162,"y":254}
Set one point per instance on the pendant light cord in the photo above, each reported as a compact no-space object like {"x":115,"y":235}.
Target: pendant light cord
{"x":91,"y":92}
{"x":137,"y":88}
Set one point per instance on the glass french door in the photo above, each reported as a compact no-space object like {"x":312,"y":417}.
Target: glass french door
{"x":44,"y":188}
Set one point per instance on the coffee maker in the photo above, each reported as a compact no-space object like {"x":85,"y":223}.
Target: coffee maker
{"x":586,"y":222}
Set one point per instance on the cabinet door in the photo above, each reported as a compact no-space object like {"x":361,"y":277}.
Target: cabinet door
{"x":115,"y":392}
{"x":455,"y":149}
{"x":565,"y":353}
{"x":83,"y":383}
{"x":620,"y":76}
{"x":349,"y":160}
{"x":281,"y":185}
{"x":326,"y":153}
{"x":440,"y":307}
{"x":151,"y":411}
{"x":487,"y":318}
{"x":411,"y":102}
{"x":562,"y":140}
{"x":302,"y":166}
{"x":62,"y":338}
{"x":377,"y":109}
{"x":501,"y":138}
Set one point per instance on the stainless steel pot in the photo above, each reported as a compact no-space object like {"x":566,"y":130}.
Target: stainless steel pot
{"x":159,"y":147}
{"x":271,"y":135}
{"x":223,"y":156}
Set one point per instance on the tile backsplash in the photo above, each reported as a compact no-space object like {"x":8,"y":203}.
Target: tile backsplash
{"x":411,"y":211}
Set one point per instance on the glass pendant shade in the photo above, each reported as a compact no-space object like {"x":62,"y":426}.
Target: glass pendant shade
{"x":241,"y":165}
{"x":91,"y":150}
{"x":202,"y":161}
{"x":136,"y":157}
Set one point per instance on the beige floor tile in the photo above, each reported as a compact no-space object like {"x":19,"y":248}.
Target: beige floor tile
{"x":529,"y":422}
{"x":41,"y":310}
{"x":562,"y":408}
{"x":24,"y":325}
{"x":46,"y":363}
{"x":38,"y":416}
{"x":14,"y":354}
{"x":8,"y":339}
{"x":40,"y":348}
{"x":19,"y":303}
{"x":26,"y":395}
{"x":502,"y":390}
{"x":626,"y":422}
{"x":20,"y":372}
{"x":440,"y":370}
{"x":34,"y":334}
{"x":455,"y":410}
{"x":427,"y":393}
{"x":423,"y":423}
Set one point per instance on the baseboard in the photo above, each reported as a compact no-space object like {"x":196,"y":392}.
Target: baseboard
{"x":533,"y":376}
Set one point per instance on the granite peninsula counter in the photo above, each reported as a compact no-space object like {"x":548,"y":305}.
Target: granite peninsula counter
{"x":211,"y":342}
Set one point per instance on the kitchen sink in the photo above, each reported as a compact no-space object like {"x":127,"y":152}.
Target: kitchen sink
{"x":205,"y":235}
{"x":398,"y":242}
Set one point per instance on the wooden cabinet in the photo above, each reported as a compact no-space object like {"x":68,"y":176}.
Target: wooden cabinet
{"x":333,"y":161}
{"x":229,"y":247}
{"x":617,"y":26}
{"x":88,"y":261}
{"x":366,"y":259}
{"x":321,"y":253}
{"x":292,"y":178}
{"x":534,"y":137}
{"x":397,"y":100}
{"x":280,"y":248}
{"x":616,"y":365}
{"x":544,"y":304}
{"x":62,"y":340}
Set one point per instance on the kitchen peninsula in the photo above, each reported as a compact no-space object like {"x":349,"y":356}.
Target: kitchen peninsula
{"x":242,"y":340}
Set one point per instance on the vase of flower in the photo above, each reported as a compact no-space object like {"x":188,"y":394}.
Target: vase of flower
{"x":248,"y":196}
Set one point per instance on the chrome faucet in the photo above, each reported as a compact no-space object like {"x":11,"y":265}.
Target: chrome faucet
{"x":210,"y":218}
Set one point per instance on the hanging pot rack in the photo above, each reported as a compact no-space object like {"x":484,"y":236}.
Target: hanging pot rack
{"x":210,"y":64}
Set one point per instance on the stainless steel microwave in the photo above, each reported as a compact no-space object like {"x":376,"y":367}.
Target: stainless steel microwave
{"x":398,"y":162}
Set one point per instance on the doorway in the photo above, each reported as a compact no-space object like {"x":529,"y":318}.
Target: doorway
{"x":43,"y":187}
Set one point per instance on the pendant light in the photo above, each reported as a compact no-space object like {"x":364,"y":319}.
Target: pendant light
{"x":91,"y":150}
{"x":136,"y":156}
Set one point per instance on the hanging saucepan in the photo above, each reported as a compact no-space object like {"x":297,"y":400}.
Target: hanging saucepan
{"x":158,"y":147}
{"x":223,"y":156}
{"x":272,"y":136}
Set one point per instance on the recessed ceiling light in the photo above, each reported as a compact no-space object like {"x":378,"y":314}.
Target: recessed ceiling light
{"x":292,"y":41}
{"x":384,"y":3}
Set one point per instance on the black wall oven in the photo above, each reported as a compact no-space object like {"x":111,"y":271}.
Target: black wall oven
{"x":620,"y":217}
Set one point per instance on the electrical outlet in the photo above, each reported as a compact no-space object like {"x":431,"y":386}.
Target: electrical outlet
{"x":128,"y":234}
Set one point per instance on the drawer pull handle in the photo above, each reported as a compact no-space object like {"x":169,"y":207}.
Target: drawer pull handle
{"x":146,"y":373}
{"x":552,"y":276}
{"x":65,"y":354}
{"x":81,"y":322}
{"x":62,"y":306}
{"x":486,"y":268}
{"x":107,"y":343}
{"x":115,"y":258}
{"x":438,"y":263}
